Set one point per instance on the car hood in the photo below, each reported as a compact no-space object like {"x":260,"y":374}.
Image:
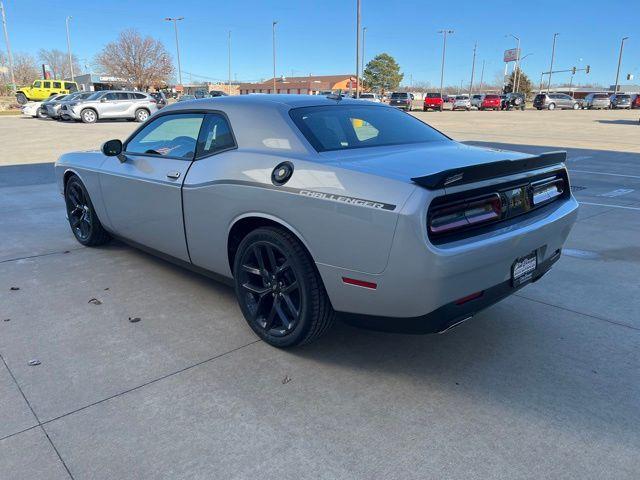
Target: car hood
{"x":408,"y":161}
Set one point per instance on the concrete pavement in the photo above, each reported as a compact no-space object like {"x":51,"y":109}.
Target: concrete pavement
{"x":546,"y":384}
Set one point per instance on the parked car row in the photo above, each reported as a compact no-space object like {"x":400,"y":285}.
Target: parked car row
{"x":89,"y":107}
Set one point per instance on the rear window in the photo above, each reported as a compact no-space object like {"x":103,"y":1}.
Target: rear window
{"x":623,"y":97}
{"x":399,"y":95}
{"x":492,"y":97}
{"x":540,"y":96}
{"x":433,"y":95}
{"x":601,"y":95}
{"x":348,"y":127}
{"x":462,"y":97}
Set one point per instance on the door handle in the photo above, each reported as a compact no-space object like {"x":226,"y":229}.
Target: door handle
{"x":174,"y":175}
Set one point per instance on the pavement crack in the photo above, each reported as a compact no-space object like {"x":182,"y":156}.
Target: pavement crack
{"x":150,"y":382}
{"x":35,"y":415}
{"x":595,"y":317}
{"x":62,"y":252}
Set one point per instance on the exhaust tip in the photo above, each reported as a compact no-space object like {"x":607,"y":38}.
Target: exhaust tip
{"x":455,"y":324}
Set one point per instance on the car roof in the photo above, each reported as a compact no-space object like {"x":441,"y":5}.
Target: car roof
{"x":270,"y":100}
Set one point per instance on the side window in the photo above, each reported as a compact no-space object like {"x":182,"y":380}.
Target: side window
{"x":215,"y":135}
{"x":168,"y":136}
{"x":138,"y":96}
{"x":57,"y":85}
{"x":70,"y":86}
{"x":122,"y":96}
{"x":37,"y":84}
{"x":47,"y":84}
{"x":110,"y":96}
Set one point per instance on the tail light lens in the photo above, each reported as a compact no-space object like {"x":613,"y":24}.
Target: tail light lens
{"x":546,"y":191}
{"x":153,"y":100}
{"x":451,"y":217}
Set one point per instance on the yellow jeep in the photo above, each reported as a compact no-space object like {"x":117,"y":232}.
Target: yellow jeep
{"x":43,"y":89}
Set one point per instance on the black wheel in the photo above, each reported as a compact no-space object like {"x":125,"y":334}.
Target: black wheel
{"x":279,"y":290}
{"x":89,"y":116}
{"x":142,"y":115}
{"x":82,"y":217}
{"x":21,"y":98}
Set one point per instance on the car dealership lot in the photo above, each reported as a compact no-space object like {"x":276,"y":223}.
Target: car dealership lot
{"x":545,"y":384}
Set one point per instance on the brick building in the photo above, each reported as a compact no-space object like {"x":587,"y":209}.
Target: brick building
{"x":310,"y":85}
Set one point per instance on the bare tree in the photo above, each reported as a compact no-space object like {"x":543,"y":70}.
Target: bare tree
{"x":25,"y":68}
{"x":143,"y":62}
{"x":58,"y":61}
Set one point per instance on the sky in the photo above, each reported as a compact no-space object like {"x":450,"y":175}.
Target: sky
{"x":319,"y":37}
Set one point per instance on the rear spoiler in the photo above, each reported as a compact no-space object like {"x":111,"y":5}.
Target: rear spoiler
{"x":485,"y":171}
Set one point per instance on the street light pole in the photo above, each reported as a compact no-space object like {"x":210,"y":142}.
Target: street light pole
{"x":444,"y":52}
{"x":481,"y":76}
{"x":357,"y":48}
{"x":6,"y":41}
{"x":473,"y":69}
{"x":364,"y":31}
{"x":553,"y":52}
{"x":175,"y":27}
{"x":273,"y":28}
{"x":619,"y":63}
{"x":516,"y":70}
{"x":69,"y":50}
{"x":229,"y":87}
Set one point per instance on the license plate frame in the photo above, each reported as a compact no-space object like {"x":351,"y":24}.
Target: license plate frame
{"x":523,"y":268}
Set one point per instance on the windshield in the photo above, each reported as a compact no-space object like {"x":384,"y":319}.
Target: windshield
{"x":347,"y":127}
{"x":462,"y":97}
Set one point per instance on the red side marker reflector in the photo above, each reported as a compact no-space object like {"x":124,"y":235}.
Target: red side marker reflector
{"x":468,"y":298}
{"x":359,"y":283}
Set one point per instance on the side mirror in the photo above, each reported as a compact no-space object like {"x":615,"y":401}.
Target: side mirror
{"x":103,"y":99}
{"x":112,"y":148}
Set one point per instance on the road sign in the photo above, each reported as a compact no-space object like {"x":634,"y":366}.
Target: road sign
{"x":511,"y":55}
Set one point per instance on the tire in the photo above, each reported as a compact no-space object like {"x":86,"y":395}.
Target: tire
{"x":551,"y":106}
{"x":40,"y":113}
{"x":88,"y":116}
{"x":576,"y":106}
{"x":84,"y":222}
{"x":21,"y":98}
{"x":441,"y":108}
{"x":142,"y":115}
{"x":425,"y":109}
{"x":270,"y":286}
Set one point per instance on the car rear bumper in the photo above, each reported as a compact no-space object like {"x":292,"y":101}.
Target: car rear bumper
{"x":421,"y":278}
{"x":449,"y":315}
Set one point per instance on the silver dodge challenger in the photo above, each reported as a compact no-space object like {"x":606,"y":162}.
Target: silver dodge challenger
{"x":318,"y":207}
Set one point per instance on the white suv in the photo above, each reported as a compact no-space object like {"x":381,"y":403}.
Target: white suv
{"x":112,"y":104}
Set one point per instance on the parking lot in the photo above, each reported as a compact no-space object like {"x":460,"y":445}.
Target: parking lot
{"x":545,"y":384}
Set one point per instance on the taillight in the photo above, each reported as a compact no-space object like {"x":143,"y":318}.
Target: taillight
{"x":451,"y":217}
{"x":546,"y":190}
{"x":153,"y":101}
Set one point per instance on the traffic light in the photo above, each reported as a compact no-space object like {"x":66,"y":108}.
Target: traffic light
{"x":573,"y":71}
{"x":588,"y":69}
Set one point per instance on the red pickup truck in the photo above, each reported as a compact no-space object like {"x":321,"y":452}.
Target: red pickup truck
{"x":432,"y":101}
{"x":490,"y":102}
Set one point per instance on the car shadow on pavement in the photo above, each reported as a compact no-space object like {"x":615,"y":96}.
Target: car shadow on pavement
{"x":620,"y":122}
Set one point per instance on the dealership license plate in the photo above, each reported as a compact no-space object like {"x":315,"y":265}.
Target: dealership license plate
{"x":523,"y":268}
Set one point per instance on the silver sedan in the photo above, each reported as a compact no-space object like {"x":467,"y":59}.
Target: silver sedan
{"x":315,"y":207}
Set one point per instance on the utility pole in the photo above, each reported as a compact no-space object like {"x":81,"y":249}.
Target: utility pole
{"x":619,"y":63}
{"x":481,"y":76}
{"x":69,"y":50}
{"x":516,"y":69}
{"x":553,"y":52}
{"x":229,"y":41}
{"x":6,"y":40}
{"x":364,"y":31}
{"x":444,"y":33}
{"x":175,"y":27}
{"x":273,"y":26}
{"x":357,"y":48}
{"x":473,"y":69}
